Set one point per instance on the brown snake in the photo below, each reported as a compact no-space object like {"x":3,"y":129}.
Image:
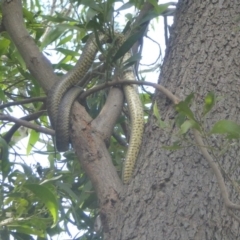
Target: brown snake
{"x":63,"y":93}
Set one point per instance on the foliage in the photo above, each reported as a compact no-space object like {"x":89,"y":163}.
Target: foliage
{"x":187,"y":119}
{"x":43,"y":198}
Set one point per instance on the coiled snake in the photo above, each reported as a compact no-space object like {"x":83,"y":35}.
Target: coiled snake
{"x":62,"y":95}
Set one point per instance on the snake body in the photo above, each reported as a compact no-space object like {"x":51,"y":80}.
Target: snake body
{"x":137,"y":127}
{"x":62,"y":95}
{"x":56,"y":93}
{"x":60,"y":119}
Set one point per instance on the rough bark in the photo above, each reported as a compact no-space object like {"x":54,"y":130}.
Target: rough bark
{"x":174,"y":194}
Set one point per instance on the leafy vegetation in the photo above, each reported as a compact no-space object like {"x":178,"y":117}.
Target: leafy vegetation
{"x":52,"y":194}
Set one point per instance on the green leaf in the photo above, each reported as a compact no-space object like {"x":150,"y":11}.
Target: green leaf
{"x":5,"y":164}
{"x":157,"y":115}
{"x":180,"y":119}
{"x":47,"y":197}
{"x":4,"y":44}
{"x":27,"y":169}
{"x":155,"y":111}
{"x":188,"y":124}
{"x":90,"y":14}
{"x":148,"y":17}
{"x":56,"y":33}
{"x":209,"y":102}
{"x":132,"y":60}
{"x":126,"y":46}
{"x":176,"y":146}
{"x":33,"y":138}
{"x":61,"y":17}
{"x":18,"y":59}
{"x":125,"y":6}
{"x":159,"y":8}
{"x":67,"y":52}
{"x":22,"y":228}
{"x":183,"y":108}
{"x":228,"y":127}
{"x":127,"y":26}
{"x":51,"y":37}
{"x":189,"y":98}
{"x":28,"y":15}
{"x":65,"y":40}
{"x":92,"y":4}
{"x":86,"y":192}
{"x":2,"y":95}
{"x":66,"y":187}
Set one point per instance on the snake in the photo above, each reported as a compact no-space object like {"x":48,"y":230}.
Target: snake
{"x":64,"y":92}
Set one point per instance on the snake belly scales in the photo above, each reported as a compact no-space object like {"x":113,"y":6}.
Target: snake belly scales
{"x":64,"y":92}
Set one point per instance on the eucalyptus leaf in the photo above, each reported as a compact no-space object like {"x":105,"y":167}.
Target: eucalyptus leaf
{"x":183,"y":108}
{"x":126,"y":46}
{"x":230,"y":128}
{"x":33,"y":138}
{"x":47,"y":197}
{"x":209,"y":102}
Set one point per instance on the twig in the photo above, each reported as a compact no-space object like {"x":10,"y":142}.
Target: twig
{"x":29,"y":100}
{"x":29,"y":117}
{"x":119,"y":139}
{"x":27,"y":124}
{"x":216,"y":171}
{"x":162,"y":89}
{"x":12,"y":220}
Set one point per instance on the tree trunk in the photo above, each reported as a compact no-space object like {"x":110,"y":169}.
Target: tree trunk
{"x":175,"y":194}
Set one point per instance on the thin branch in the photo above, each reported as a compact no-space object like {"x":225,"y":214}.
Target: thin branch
{"x":216,"y":171}
{"x":159,"y":55}
{"x":93,"y":74}
{"x":12,"y":220}
{"x":20,"y":102}
{"x":106,"y":119}
{"x":27,"y":124}
{"x":119,"y":139}
{"x":160,"y":88}
{"x":165,"y":30}
{"x":30,"y":117}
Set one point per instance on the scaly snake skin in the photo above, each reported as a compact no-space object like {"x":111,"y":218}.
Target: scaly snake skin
{"x":60,"y":100}
{"x":55,"y":95}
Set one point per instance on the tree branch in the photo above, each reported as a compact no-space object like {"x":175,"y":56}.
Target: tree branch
{"x":216,"y":171}
{"x":15,"y":127}
{"x":96,"y":162}
{"x":106,"y":120}
{"x":25,"y":101}
{"x":119,"y":139}
{"x":160,"y":88}
{"x":27,"y":124}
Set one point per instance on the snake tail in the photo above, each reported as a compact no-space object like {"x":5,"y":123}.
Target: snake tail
{"x":137,"y":126}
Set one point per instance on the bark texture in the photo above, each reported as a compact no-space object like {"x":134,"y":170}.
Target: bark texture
{"x":174,"y":194}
